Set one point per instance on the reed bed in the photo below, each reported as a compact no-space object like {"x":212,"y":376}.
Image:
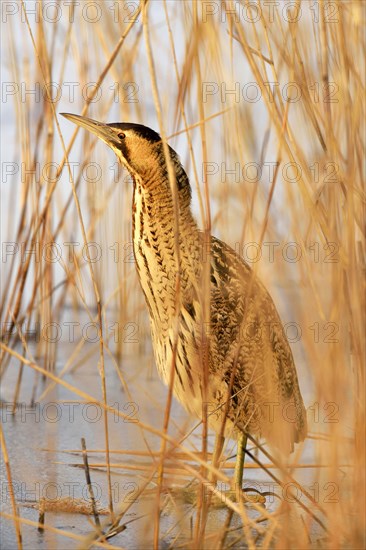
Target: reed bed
{"x":264,"y":101}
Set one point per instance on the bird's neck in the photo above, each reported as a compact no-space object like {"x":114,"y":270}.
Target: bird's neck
{"x":154,"y":211}
{"x":154,"y":241}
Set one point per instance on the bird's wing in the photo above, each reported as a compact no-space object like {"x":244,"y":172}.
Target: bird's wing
{"x":249,"y":349}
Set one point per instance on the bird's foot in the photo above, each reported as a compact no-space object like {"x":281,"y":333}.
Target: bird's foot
{"x":248,"y":496}
{"x":217,"y":499}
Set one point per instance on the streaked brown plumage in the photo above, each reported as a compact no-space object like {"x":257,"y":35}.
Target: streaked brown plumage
{"x":249,"y":359}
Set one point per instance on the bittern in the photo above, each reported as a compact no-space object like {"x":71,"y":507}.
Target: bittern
{"x":252,"y":386}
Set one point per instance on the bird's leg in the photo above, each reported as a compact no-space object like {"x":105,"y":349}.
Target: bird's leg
{"x":189,"y":492}
{"x":240,"y":456}
{"x":239,"y":469}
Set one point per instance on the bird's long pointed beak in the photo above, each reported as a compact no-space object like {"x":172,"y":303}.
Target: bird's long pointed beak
{"x":101,"y":130}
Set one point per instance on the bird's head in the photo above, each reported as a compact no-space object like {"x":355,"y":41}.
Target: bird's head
{"x":139,"y":149}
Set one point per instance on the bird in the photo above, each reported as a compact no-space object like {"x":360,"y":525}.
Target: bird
{"x":251,"y":383}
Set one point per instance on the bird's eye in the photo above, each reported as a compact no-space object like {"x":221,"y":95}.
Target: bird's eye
{"x":121,"y":135}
